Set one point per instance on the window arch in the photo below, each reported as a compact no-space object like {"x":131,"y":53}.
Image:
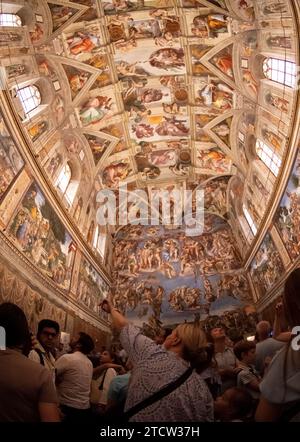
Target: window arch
{"x":71,"y":191}
{"x":64,"y":178}
{"x":30,"y":98}
{"x":66,"y":184}
{"x":249,"y":220}
{"x":268,"y":157}
{"x":10,"y":20}
{"x":280,"y":71}
{"x":96,"y":237}
{"x":102,"y":242}
{"x":99,"y":240}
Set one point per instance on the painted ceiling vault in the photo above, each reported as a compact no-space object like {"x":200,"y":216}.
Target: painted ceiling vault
{"x":146,"y":92}
{"x":157,"y":94}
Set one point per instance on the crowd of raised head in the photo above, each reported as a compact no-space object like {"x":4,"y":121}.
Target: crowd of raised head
{"x":182,"y":375}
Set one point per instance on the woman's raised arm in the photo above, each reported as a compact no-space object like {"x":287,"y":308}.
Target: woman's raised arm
{"x":118,"y":320}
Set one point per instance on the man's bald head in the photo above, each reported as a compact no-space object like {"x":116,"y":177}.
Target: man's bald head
{"x":263,"y":330}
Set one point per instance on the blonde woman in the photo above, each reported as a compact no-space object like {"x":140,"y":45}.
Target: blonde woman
{"x":175,"y":364}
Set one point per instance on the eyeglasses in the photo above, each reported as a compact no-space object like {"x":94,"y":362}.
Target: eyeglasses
{"x":49,"y":334}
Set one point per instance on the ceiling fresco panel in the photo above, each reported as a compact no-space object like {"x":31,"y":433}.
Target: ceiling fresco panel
{"x":77,"y":79}
{"x":160,"y":95}
{"x":223,"y":61}
{"x":212,"y":159}
{"x":206,"y":25}
{"x":60,"y":14}
{"x":116,"y":6}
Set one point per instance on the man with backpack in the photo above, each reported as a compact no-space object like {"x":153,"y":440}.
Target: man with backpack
{"x":42,"y":352}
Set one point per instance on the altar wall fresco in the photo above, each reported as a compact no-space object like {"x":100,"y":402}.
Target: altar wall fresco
{"x":163,"y":275}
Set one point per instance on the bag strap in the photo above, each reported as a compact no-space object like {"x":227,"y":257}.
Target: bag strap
{"x":102,"y":380}
{"x":158,"y":395}
{"x":42,"y":362}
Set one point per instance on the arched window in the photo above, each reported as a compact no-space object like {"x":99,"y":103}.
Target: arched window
{"x":280,"y":71}
{"x":30,"y":98}
{"x":10,"y":20}
{"x":64,"y":178}
{"x":249,"y":220}
{"x":268,"y":157}
{"x":99,"y":240}
{"x":96,"y":237}
{"x":102,"y":243}
{"x":70,"y":193}
{"x":66,"y":185}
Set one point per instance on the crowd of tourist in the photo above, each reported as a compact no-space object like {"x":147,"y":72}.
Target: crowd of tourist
{"x":183,"y":375}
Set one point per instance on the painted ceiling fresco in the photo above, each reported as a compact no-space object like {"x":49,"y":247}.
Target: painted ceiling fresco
{"x":150,"y":87}
{"x":153,"y":91}
{"x":160,"y":95}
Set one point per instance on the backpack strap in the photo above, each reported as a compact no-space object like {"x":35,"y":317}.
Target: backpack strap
{"x":38,"y":351}
{"x":102,"y":380}
{"x":158,"y":395}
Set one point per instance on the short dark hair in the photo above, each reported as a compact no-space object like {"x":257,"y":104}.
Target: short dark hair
{"x":235,"y":335}
{"x":243,"y":347}
{"x":14,"y":322}
{"x":86,"y":343}
{"x":47,"y":323}
{"x":95,"y":360}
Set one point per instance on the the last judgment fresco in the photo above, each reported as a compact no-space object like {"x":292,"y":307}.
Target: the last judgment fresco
{"x":162,"y":275}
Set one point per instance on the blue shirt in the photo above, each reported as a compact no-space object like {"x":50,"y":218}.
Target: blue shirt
{"x":118,"y":388}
